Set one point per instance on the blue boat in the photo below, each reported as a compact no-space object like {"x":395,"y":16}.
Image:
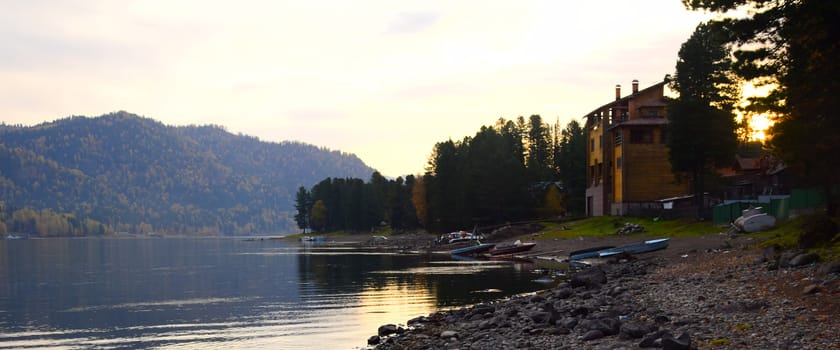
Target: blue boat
{"x":473,"y":249}
{"x":588,"y":252}
{"x":638,"y":248}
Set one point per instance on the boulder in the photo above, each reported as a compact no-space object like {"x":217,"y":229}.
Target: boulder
{"x":373,"y":340}
{"x":591,"y":277}
{"x":661,"y":319}
{"x":811,"y":289}
{"x":386,"y":330}
{"x":568,"y":322}
{"x":786,"y":257}
{"x":804,"y":259}
{"x":580,"y":311}
{"x":592,"y":335}
{"x":829,"y":267}
{"x":608,"y":326}
{"x":482,"y":309}
{"x":770,"y":254}
{"x":683,"y":342}
{"x":633,"y":330}
{"x":540,"y":317}
{"x":563,"y":293}
{"x":449,"y":334}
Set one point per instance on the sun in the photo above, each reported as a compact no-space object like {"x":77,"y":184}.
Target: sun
{"x":759,"y":126}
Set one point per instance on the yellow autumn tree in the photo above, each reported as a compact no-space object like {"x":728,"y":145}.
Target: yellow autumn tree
{"x":418,"y":199}
{"x":553,"y":200}
{"x":318,"y":216}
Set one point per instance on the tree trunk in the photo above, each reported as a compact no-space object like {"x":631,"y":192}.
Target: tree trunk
{"x":698,"y":192}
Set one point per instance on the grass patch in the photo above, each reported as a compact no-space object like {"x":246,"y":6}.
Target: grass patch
{"x":786,"y":235}
{"x":386,"y":231}
{"x":720,"y":342}
{"x":600,"y":226}
{"x":743,"y":327}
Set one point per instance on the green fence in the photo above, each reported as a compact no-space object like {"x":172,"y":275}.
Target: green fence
{"x":723,"y":214}
{"x":807,"y":198}
{"x":777,"y":206}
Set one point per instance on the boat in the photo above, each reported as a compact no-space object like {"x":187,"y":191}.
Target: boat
{"x":473,"y":249}
{"x":516,"y":247}
{"x":637,"y":248}
{"x":313,"y":239}
{"x":588,"y":252}
{"x":754,"y":220}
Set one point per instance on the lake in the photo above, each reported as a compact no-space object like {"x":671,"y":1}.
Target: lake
{"x":222,"y":293}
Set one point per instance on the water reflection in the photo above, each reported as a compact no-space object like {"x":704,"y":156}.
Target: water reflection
{"x":218,"y":293}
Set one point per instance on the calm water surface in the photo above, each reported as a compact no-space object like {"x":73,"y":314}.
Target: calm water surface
{"x":226,"y":293}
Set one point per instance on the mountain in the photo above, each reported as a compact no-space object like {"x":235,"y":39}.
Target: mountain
{"x":136,"y":174}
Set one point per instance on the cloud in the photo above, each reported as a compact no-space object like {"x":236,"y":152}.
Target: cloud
{"x":413,"y":22}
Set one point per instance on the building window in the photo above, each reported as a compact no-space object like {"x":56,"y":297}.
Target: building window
{"x":592,"y":145}
{"x":619,"y":138}
{"x":663,"y":135}
{"x":641,"y":136}
{"x":618,"y":163}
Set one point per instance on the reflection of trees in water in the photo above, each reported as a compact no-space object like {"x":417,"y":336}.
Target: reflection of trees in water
{"x":354,"y":273}
{"x":348,"y":272}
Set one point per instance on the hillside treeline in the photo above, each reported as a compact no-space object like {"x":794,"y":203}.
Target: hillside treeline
{"x":354,"y":205}
{"x":133,"y":174}
{"x":511,"y":171}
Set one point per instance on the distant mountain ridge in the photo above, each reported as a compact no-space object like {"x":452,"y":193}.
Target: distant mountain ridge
{"x":125,"y":171}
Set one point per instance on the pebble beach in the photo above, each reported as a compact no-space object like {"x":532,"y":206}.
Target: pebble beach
{"x":708,"y":292}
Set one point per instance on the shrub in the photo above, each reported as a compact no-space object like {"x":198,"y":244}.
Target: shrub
{"x":817,"y":230}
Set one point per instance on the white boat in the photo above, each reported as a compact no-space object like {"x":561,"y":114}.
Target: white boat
{"x":754,"y":220}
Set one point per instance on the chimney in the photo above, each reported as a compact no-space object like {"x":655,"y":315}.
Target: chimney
{"x":617,"y":92}
{"x":635,"y":86}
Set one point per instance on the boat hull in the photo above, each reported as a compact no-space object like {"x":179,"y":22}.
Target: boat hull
{"x":638,"y":248}
{"x":512,"y":249}
{"x":473,"y":249}
{"x":588,"y":253}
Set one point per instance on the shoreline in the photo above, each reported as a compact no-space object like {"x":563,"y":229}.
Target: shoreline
{"x":704,"y":292}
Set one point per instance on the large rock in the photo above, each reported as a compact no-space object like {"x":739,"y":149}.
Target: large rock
{"x":482,"y":309}
{"x":592,"y":335}
{"x":829,"y":267}
{"x":770,"y":255}
{"x":804,"y":259}
{"x":386,"y":330}
{"x":633,"y":330}
{"x":591,"y":277}
{"x":608,"y":326}
{"x":568,"y":322}
{"x":540,"y":317}
{"x":683,"y":342}
{"x":787,"y":256}
{"x":448,"y":334}
{"x":563,"y":293}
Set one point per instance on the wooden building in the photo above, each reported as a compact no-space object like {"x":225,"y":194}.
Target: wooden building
{"x":627,"y":157}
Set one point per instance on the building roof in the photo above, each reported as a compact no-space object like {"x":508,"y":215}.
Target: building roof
{"x":641,"y":122}
{"x":747,"y":163}
{"x":625,"y":98}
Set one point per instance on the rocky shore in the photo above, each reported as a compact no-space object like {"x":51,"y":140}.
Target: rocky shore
{"x":729,"y":297}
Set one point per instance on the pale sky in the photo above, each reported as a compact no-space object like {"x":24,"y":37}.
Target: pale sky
{"x":385,"y":80}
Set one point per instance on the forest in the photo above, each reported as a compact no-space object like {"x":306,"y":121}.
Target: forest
{"x":514,"y":170}
{"x":122,"y":173}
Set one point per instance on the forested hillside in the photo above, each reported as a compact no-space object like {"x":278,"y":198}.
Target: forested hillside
{"x":134,"y":174}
